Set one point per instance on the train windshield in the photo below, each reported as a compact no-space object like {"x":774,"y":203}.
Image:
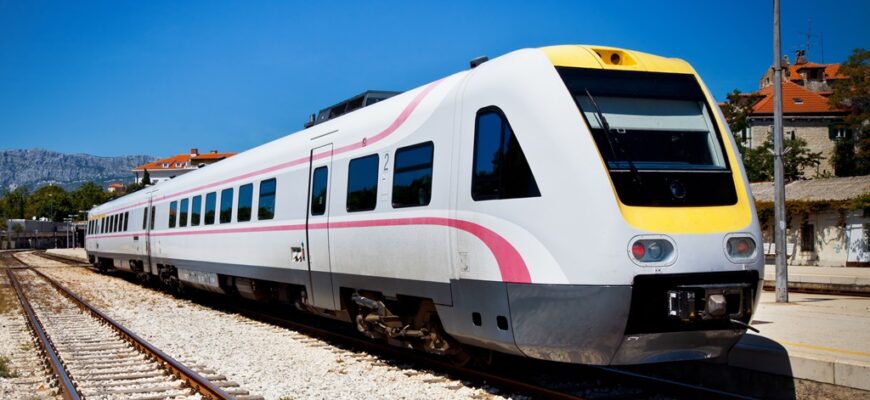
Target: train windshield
{"x":657,"y":121}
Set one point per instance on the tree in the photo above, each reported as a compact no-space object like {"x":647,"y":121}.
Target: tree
{"x":738,"y":108}
{"x":87,"y":196}
{"x":51,"y":202}
{"x":843,"y":159}
{"x":853,"y":94}
{"x":14,"y":203}
{"x":146,"y":178}
{"x":796,"y":158}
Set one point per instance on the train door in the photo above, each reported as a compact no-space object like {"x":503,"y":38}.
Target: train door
{"x":149,"y":224}
{"x":317,"y":224}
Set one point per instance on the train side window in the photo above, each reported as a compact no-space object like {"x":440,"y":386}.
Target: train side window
{"x":412,"y":175}
{"x":500,"y":169}
{"x":173,"y":208}
{"x":362,"y":183}
{"x":209,"y":208}
{"x":153,"y":216}
{"x":266,"y":203}
{"x":226,"y":205}
{"x":195,"y":210}
{"x":318,"y":190}
{"x":126,"y":220}
{"x":246,"y":193}
{"x":144,"y":218}
{"x":182,"y":217}
{"x":114,"y":223}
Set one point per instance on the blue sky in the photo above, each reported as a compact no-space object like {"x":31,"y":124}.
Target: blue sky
{"x":157,"y":78}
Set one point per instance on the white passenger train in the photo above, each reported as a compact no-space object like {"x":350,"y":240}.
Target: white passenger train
{"x":583,"y":204}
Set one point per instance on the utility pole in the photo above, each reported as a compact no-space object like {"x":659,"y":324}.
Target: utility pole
{"x":778,"y":171}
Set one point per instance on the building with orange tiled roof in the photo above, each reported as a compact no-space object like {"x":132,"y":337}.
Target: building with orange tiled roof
{"x":170,"y":167}
{"x":807,"y":114}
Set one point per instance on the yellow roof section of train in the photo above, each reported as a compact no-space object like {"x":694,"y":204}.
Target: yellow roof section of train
{"x":604,"y":57}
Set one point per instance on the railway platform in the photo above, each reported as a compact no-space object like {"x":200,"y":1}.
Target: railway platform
{"x":817,"y":337}
{"x":842,"y":280}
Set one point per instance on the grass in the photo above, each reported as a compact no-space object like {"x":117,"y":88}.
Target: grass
{"x":6,"y":370}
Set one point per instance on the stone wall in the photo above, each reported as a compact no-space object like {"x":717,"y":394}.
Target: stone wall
{"x":813,"y":131}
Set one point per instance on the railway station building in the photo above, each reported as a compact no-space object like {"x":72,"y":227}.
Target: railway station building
{"x":828,"y":224}
{"x":170,"y":167}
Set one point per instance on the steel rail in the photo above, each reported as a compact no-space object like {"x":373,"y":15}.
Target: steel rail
{"x":67,"y":389}
{"x":194,"y":380}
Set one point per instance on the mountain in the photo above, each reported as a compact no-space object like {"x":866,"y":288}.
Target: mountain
{"x":37,"y":167}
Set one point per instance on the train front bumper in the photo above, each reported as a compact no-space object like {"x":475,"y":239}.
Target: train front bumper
{"x":621,"y":324}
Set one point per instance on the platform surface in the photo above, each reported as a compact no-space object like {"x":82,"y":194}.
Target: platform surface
{"x":76,"y":253}
{"x":824,"y":338}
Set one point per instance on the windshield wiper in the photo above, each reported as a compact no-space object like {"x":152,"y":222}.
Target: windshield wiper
{"x":611,"y":140}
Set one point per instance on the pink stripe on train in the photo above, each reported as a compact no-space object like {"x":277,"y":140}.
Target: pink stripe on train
{"x":510,"y":263}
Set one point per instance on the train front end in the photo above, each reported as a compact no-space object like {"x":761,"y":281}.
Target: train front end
{"x":683,"y":276}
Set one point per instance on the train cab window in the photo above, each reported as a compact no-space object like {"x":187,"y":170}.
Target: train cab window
{"x":319,"y":182}
{"x":362,"y":183}
{"x":153,"y":217}
{"x":144,"y":218}
{"x":500,"y":169}
{"x":209,"y":208}
{"x":173,"y":213}
{"x":126,"y":220}
{"x":246,"y":194}
{"x":182,"y":217}
{"x":226,"y":205}
{"x":195,"y":210}
{"x":266,"y":203}
{"x":412,"y":175}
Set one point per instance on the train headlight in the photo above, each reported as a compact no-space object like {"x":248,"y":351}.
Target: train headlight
{"x":740,"y":248}
{"x":652,"y":251}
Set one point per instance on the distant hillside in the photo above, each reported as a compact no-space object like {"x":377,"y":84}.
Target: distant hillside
{"x":37,"y":167}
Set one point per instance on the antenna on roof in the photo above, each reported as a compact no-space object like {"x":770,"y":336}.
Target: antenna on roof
{"x":310,"y":122}
{"x":477,"y":61}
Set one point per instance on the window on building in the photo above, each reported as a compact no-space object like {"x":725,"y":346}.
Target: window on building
{"x":126,"y":220}
{"x":246,"y":194}
{"x":266,"y":202}
{"x":144,"y":218}
{"x":182,"y":218}
{"x":209,"y":208}
{"x":362,"y":183}
{"x":173,"y":213}
{"x":195,"y":210}
{"x":153,"y":217}
{"x":319,"y":182}
{"x":226,"y":205}
{"x":500,"y":168}
{"x":808,"y":237}
{"x":412,"y":175}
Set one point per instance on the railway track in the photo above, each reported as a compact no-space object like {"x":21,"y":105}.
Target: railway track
{"x":600,"y":383}
{"x":92,"y":356}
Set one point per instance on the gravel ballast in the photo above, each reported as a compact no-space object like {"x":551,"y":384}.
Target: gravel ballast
{"x":274,"y":362}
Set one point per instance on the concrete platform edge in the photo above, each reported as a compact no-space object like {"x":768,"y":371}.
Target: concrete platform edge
{"x":851,"y":374}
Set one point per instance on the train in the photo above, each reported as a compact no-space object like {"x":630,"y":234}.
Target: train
{"x":576,"y":203}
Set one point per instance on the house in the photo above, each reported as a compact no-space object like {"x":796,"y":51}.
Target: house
{"x":827,"y":224}
{"x":806,"y":111}
{"x":168,"y":168}
{"x":116,"y":188}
